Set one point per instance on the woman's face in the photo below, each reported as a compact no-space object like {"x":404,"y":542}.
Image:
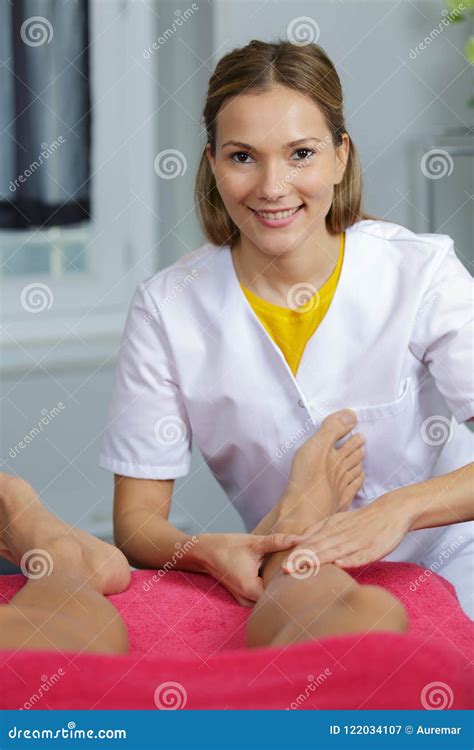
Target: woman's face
{"x":274,"y":152}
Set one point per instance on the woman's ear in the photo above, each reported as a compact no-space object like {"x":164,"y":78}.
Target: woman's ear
{"x":342,"y":156}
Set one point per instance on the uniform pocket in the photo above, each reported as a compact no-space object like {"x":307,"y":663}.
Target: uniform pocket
{"x":393,"y":445}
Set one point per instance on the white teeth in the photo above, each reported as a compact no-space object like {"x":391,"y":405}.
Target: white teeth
{"x":278,"y":215}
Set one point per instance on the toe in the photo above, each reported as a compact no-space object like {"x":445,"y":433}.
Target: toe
{"x":336,"y":425}
{"x":354,"y":459}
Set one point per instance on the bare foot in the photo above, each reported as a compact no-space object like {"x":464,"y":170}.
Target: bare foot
{"x":32,"y":536}
{"x":327,"y":477}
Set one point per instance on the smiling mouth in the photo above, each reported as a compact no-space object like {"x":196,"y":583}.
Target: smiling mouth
{"x":281,"y":214}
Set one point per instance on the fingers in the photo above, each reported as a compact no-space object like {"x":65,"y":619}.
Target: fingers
{"x":275,"y":542}
{"x":250,"y":594}
{"x":354,"y":561}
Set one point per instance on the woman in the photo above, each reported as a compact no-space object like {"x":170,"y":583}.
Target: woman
{"x":298,"y":306}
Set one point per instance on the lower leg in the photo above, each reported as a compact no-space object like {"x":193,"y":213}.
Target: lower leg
{"x":62,"y":604}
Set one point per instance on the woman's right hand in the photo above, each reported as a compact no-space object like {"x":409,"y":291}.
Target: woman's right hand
{"x":235,"y":559}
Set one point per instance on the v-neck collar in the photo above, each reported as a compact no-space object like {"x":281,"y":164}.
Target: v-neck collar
{"x":345,"y":279}
{"x":287,"y":312}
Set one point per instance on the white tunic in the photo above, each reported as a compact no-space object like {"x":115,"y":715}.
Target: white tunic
{"x":395,"y":346}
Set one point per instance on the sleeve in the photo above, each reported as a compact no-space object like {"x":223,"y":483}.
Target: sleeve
{"x":147,"y":433}
{"x":442,"y":336}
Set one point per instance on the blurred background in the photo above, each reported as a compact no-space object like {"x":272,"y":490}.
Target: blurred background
{"x":100,"y":137}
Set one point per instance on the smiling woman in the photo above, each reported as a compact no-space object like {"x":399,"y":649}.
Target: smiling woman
{"x":301,"y":306}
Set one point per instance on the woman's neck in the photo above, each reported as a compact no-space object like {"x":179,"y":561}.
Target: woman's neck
{"x":270,"y":277}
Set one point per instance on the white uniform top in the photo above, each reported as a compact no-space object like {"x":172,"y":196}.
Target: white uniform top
{"x":395,"y":346}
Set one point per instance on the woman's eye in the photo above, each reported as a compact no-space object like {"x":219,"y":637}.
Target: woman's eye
{"x":309,"y":153}
{"x":239,"y":153}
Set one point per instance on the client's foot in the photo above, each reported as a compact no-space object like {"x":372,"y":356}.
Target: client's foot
{"x":33,"y":537}
{"x":329,"y":477}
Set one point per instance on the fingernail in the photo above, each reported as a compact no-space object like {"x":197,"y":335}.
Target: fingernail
{"x":348,"y":417}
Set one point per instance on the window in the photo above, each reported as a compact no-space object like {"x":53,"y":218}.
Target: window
{"x":62,"y":285}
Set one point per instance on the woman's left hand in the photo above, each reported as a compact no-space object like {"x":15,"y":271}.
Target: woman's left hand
{"x":358,"y":537}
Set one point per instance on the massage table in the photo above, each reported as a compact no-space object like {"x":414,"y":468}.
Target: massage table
{"x":187,"y":651}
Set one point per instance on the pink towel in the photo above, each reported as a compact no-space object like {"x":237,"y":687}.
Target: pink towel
{"x":187,"y":638}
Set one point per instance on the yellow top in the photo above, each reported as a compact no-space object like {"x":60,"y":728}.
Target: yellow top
{"x":291,"y":328}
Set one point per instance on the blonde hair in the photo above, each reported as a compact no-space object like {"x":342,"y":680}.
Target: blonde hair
{"x":256,"y":68}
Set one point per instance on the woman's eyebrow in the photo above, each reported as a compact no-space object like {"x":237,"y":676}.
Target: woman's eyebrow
{"x":240,"y":144}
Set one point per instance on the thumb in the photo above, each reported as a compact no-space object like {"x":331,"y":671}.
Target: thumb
{"x":250,"y":593}
{"x":276,"y":542}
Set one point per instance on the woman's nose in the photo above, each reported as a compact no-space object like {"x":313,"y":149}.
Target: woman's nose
{"x":273,"y":182}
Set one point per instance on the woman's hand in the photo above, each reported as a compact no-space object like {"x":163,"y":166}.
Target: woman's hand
{"x":234,"y":560}
{"x":359,"y":537}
